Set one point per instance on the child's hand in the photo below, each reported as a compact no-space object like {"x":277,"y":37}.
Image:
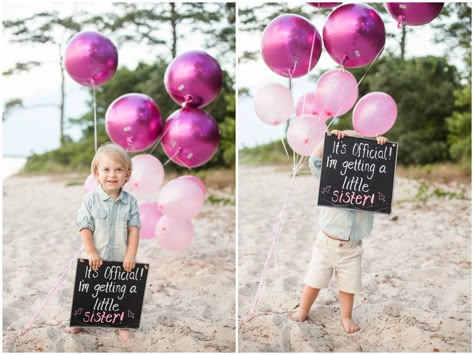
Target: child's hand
{"x":381,"y":139}
{"x":95,"y":262}
{"x":339,"y":134}
{"x":128,"y":263}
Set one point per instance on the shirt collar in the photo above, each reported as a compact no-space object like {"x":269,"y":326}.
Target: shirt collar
{"x":104,"y":197}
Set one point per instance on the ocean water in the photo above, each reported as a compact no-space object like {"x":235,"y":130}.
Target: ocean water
{"x":11,"y":166}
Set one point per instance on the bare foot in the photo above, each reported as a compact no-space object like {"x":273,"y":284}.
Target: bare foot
{"x":299,"y":316}
{"x":71,"y":330}
{"x":349,"y":325}
{"x":125,"y":334}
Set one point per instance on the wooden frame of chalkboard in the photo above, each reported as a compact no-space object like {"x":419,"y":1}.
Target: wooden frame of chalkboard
{"x":108,"y":297}
{"x":357,"y":173}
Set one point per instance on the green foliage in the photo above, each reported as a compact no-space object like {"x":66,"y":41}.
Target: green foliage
{"x":266,"y":154}
{"x":423,"y":89}
{"x":459,"y":127}
{"x":148,"y":79}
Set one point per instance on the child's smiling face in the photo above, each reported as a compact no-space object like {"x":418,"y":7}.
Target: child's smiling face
{"x":111,"y":174}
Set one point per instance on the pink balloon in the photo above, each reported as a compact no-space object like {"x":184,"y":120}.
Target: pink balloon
{"x":307,"y":105}
{"x":305,"y":133}
{"x":354,"y":35}
{"x":194,"y":79}
{"x":375,"y":113}
{"x":90,"y":59}
{"x":133,"y":121}
{"x":324,"y":5}
{"x":90,"y":184}
{"x":181,"y":199}
{"x":414,"y":13}
{"x":197,"y":181}
{"x":149,"y":217}
{"x":191,"y":137}
{"x":291,"y":46}
{"x":147,"y":174}
{"x":273,"y":103}
{"x":336,"y":92}
{"x":174,"y":235}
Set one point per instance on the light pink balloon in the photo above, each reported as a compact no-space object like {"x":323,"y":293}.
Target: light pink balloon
{"x":174,"y":235}
{"x":147,"y":174}
{"x":181,"y":199}
{"x":273,"y":103}
{"x":307,"y":105}
{"x":90,"y":184}
{"x":197,"y":181}
{"x":305,"y":133}
{"x":149,"y":217}
{"x":375,"y":113}
{"x":336,"y":92}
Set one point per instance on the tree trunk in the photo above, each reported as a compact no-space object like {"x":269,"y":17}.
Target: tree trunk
{"x":403,"y":42}
{"x":174,"y":23}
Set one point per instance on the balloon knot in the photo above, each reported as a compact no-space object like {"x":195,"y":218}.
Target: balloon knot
{"x":344,"y":60}
{"x":401,"y":20}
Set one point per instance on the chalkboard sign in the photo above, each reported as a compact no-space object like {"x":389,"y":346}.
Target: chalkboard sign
{"x":357,"y":173}
{"x":108,"y":297}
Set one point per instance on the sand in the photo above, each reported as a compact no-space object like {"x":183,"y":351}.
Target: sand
{"x":416,"y":270}
{"x":189,"y":303}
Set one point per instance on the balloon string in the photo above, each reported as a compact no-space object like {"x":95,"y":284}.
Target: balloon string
{"x":61,"y":279}
{"x":272,"y":252}
{"x":95,"y":118}
{"x":284,"y":147}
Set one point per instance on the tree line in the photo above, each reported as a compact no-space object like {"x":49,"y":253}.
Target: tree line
{"x":155,"y":25}
{"x":433,"y":95}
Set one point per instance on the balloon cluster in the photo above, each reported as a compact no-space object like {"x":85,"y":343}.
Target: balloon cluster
{"x":190,"y":136}
{"x":353,"y":36}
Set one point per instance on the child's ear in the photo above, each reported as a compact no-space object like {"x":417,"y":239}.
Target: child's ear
{"x":129,"y":173}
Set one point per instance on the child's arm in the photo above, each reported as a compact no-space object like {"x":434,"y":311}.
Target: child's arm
{"x":132,"y":247}
{"x":95,"y":261}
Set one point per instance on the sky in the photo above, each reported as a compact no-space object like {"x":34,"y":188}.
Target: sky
{"x":252,"y":131}
{"x":37,"y":130}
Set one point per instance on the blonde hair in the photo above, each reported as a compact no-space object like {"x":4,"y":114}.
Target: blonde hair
{"x":113,"y":151}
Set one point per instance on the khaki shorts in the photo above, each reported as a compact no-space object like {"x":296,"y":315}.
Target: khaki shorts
{"x":342,"y":258}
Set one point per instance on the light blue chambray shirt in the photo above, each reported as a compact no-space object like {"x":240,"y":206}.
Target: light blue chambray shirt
{"x":108,"y":221}
{"x":341,"y":223}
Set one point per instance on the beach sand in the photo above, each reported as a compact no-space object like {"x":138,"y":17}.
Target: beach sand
{"x":189,"y":303}
{"x":416,"y":270}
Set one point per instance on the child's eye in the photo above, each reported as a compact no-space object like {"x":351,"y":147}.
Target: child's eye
{"x":119,"y":169}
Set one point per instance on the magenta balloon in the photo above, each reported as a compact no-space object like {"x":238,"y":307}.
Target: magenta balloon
{"x":291,"y":46}
{"x":324,"y":5}
{"x":191,"y":137}
{"x":91,"y":59}
{"x":197,"y":181}
{"x":414,"y":13}
{"x":354,"y":35}
{"x":90,"y":184}
{"x":375,"y":113}
{"x":133,"y":121}
{"x":149,"y":217}
{"x":194,"y":79}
